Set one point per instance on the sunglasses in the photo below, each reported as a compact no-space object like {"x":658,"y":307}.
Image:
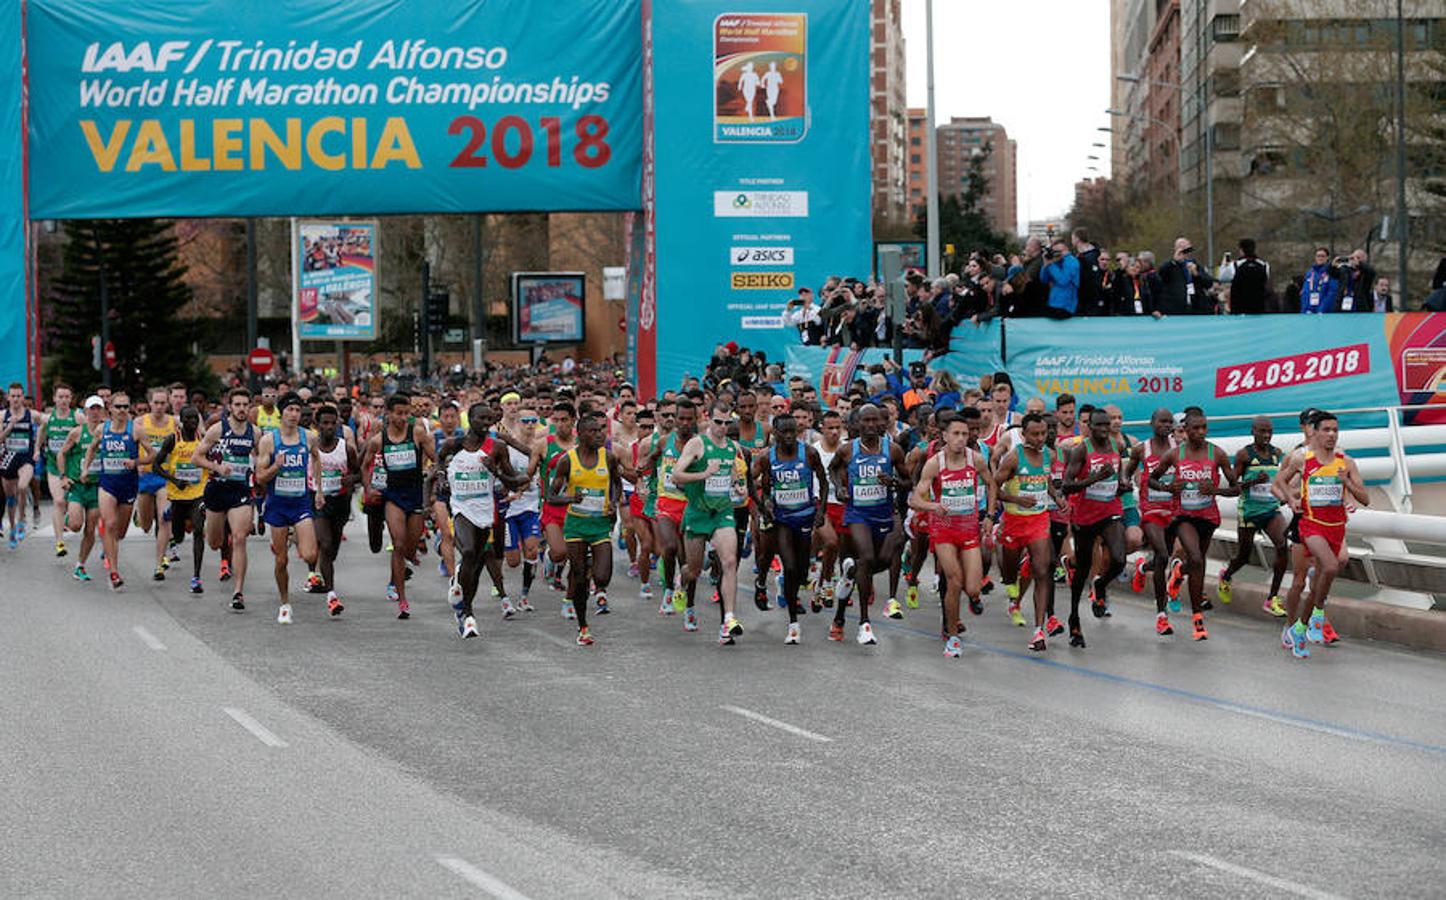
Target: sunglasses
{"x":722,"y":421}
{"x":120,"y":406}
{"x":529,"y":420}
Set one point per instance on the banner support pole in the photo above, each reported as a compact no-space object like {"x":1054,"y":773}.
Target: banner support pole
{"x":295,"y":297}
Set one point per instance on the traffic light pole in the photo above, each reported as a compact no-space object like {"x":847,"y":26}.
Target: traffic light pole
{"x":105,"y":369}
{"x":424,"y":340}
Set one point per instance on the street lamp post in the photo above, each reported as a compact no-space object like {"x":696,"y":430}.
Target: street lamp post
{"x":931,"y":138}
{"x":1403,"y":222}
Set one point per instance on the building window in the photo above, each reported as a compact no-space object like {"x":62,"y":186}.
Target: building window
{"x":916,"y":141}
{"x":915,"y":158}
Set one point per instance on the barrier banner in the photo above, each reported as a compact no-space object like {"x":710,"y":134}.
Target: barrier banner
{"x":337,"y":286}
{"x":1229,"y":365}
{"x":16,"y":325}
{"x":760,"y":171}
{"x":251,"y":108}
{"x":1418,"y":355}
{"x":973,"y":351}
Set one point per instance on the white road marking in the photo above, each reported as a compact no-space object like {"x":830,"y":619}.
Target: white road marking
{"x":1280,"y":884}
{"x":480,"y":879}
{"x":553,"y":639}
{"x":259,"y":731}
{"x":150,"y":640}
{"x":782,"y":726}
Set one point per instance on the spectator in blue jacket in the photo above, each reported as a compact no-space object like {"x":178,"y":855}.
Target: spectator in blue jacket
{"x":1061,"y":274}
{"x":1318,"y":294}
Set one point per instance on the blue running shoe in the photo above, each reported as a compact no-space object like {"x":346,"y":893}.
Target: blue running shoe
{"x":1313,"y":631}
{"x":778,"y":597}
{"x":622,"y":542}
{"x":690,"y":619}
{"x":1285,"y":640}
{"x":1298,"y":649}
{"x":1174,"y":605}
{"x":747,"y":550}
{"x":20,"y":531}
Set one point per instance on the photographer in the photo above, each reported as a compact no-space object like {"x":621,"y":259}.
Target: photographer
{"x":1185,"y":285}
{"x":1249,"y":282}
{"x":1358,"y":279}
{"x":1321,"y":285}
{"x":1061,"y":274}
{"x":802,"y":313}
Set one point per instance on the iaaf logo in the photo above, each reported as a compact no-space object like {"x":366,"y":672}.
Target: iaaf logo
{"x":140,"y":57}
{"x":760,"y":204}
{"x":760,"y":256}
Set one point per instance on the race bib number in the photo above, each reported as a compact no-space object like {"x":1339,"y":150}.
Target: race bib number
{"x":18,"y":443}
{"x":1104,"y":491}
{"x":240,"y":466}
{"x":791,"y":497}
{"x":331,"y":481}
{"x":719,"y":484}
{"x":188,"y":473}
{"x":379,"y":479}
{"x":1261,"y":492}
{"x":1325,"y":493}
{"x":467,"y":485}
{"x":114,"y":465}
{"x":870,"y":492}
{"x":957,"y":502}
{"x":401,"y":458}
{"x":55,"y":443}
{"x":1040,"y":496}
{"x":590,"y":502}
{"x":290,"y":486}
{"x":1314,"y":298}
{"x":1192,"y":498}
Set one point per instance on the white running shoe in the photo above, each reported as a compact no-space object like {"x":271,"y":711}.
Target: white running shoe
{"x":793,"y":633}
{"x":525,"y":605}
{"x":508,"y":610}
{"x":283,"y":617}
{"x":866,"y":634}
{"x":953,"y":647}
{"x":844,"y":586}
{"x":469,"y":627}
{"x":568,"y":611}
{"x":646,"y":592}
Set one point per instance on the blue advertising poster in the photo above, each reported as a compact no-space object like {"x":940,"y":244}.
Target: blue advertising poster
{"x":13,"y":320}
{"x":547,"y":307}
{"x":1233,"y":365}
{"x":337,"y":281}
{"x":251,"y":107}
{"x":760,"y":171}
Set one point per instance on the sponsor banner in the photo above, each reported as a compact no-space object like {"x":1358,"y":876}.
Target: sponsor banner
{"x":720,"y":184}
{"x":337,"y":286}
{"x":974,"y":350}
{"x":833,"y":369}
{"x":244,"y":107}
{"x":547,"y":307}
{"x":760,"y":78}
{"x":760,"y":256}
{"x":1417,"y":347}
{"x":1228,"y":365}
{"x":15,"y":322}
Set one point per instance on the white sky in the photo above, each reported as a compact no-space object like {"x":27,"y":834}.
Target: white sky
{"x":1041,"y":68}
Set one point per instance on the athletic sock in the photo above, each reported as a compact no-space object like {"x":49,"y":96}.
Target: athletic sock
{"x":528,"y":572}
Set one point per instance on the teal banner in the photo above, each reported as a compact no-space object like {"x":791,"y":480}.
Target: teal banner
{"x":14,"y":318}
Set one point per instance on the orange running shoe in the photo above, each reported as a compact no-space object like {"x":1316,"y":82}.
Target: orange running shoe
{"x":1162,"y":625}
{"x":835,"y":632}
{"x":1137,"y":581}
{"x":1329,"y":633}
{"x":1198,"y":631}
{"x":1176,"y":579}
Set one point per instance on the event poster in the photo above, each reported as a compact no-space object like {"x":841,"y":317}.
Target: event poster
{"x":737,"y":224}
{"x":911,"y":255}
{"x":760,"y":77}
{"x":314,"y":107}
{"x":548,"y":307}
{"x":336,"y":298}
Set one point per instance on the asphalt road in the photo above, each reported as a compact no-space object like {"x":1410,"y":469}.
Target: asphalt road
{"x":159,"y":745}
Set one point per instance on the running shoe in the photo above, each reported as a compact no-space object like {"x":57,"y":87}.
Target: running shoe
{"x":735,"y":627}
{"x":778,"y":598}
{"x":893,"y":610}
{"x":20,"y":531}
{"x":725,"y":637}
{"x":569,"y":612}
{"x":632,"y":570}
{"x":79,"y":574}
{"x":1060,"y":575}
{"x":690,"y":619}
{"x":866,"y":634}
{"x":165,"y":563}
{"x":1173,"y":582}
{"x":1273,"y":606}
{"x":747,"y":550}
{"x":314,"y":584}
{"x":1023,"y":567}
{"x":1137,"y":581}
{"x":844,"y":586}
{"x":1076,"y":637}
{"x":1298,"y":647}
{"x":196,"y":587}
{"x":987,"y":587}
{"x":225,"y":571}
{"x":646,"y":591}
{"x":953,"y":647}
{"x":159,"y":574}
{"x":116,"y":582}
{"x":1285,"y":639}
{"x":1068,"y":564}
{"x":238,"y":601}
{"x":392,"y":594}
{"x":525,"y":605}
{"x":602,"y":604}
{"x":680,"y":599}
{"x":793,"y":634}
{"x":976,"y":606}
{"x":1015,"y":615}
{"x":404,"y":609}
{"x":836,"y":631}
{"x":814,"y":605}
{"x":825,"y":596}
{"x":1037,"y":642}
{"x":333,"y":604}
{"x":1223,"y":590}
{"x":622,"y":542}
{"x":173,"y":554}
{"x":777,"y":564}
{"x":1162,"y":625}
{"x":1313,"y":630}
{"x":1328,"y":632}
{"x":60,"y":549}
{"x":508,"y":610}
{"x":1197,"y":628}
{"x":760,"y":597}
{"x":1054,"y":626}
{"x":1012,"y":592}
{"x":469,"y":627}
{"x":11,"y":541}
{"x":555,"y":582}
{"x":495,"y":593}
{"x":584,"y":637}
{"x":283,"y":615}
{"x":1097,"y":605}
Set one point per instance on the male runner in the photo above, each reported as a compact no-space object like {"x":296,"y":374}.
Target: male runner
{"x":17,"y":459}
{"x":677,"y":426}
{"x":185,"y":485}
{"x":228,"y":452}
{"x":1325,"y":477}
{"x":642,"y":504}
{"x":785,"y":479}
{"x":449,"y":425}
{"x":1093,"y":473}
{"x":704,"y":469}
{"x":548,"y":449}
{"x":284,"y":461}
{"x":1256,"y":465}
{"x":81,"y":483}
{"x":828,"y":540}
{"x":623,"y":431}
{"x":402,"y":449}
{"x":1157,"y":509}
{"x":335,"y":472}
{"x":948,"y":488}
{"x":55,"y":427}
{"x":1195,"y":466}
{"x":1026,"y":490}
{"x":152,"y":506}
{"x":120,"y":458}
{"x":586,"y":481}
{"x":522,"y":516}
{"x":866,"y":471}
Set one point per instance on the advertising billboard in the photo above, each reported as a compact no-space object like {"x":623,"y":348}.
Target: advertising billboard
{"x":337,"y":281}
{"x":548,"y":307}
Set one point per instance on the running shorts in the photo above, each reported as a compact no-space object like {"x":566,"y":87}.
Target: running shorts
{"x":1203,"y":527}
{"x":221,"y":496}
{"x":835,"y":513}
{"x":284,"y":512}
{"x":151,"y":483}
{"x":672,"y":510}
{"x":1260,"y":521}
{"x":87,"y":495}
{"x":1335,"y":535}
{"x":408,"y":501}
{"x":702,"y":523}
{"x":336,"y":509}
{"x":635,"y":506}
{"x":121,"y":487}
{"x":553,"y":514}
{"x":591,"y":530}
{"x":1132,"y":517}
{"x":1021,"y":531}
{"x":523,"y":527}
